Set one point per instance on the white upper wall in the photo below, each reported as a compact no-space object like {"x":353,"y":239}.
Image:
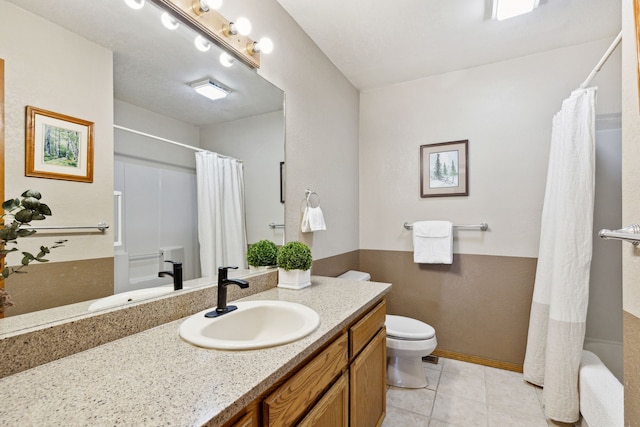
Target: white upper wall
{"x":321,"y":121}
{"x":505,"y":111}
{"x":50,"y":68}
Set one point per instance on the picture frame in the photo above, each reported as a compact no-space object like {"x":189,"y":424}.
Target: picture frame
{"x":58,"y":146}
{"x":444,"y":169}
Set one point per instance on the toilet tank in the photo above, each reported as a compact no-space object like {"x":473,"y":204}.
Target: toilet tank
{"x":355,"y":275}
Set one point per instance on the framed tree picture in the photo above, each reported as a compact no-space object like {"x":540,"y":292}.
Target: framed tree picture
{"x":58,"y":146}
{"x":444,"y":169}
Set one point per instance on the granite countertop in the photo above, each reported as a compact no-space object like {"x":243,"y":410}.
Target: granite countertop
{"x":155,"y":378}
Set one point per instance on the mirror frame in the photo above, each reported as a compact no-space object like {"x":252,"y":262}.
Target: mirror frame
{"x":2,"y":160}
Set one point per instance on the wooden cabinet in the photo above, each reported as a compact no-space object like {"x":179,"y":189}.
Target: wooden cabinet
{"x":368,"y":384}
{"x":342,"y":385}
{"x":289,"y":402}
{"x":333,"y":409}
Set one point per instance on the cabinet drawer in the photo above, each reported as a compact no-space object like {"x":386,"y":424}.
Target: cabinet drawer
{"x":362,"y":332}
{"x":291,"y":400}
{"x":333,"y":409}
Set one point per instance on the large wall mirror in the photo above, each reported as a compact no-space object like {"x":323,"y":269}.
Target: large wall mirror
{"x":129,"y":75}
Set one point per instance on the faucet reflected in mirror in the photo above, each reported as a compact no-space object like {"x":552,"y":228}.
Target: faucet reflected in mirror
{"x":132,"y":99}
{"x":176,"y":274}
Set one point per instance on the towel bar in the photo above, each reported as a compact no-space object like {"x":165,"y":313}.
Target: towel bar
{"x":483,"y":226}
{"x":101,"y":226}
{"x":630,"y":233}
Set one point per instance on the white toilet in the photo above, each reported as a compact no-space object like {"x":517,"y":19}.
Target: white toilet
{"x":408,"y":341}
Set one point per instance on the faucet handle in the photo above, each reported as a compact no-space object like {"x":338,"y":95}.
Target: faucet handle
{"x":174,"y":262}
{"x":226,"y":268}
{"x":222,"y":273}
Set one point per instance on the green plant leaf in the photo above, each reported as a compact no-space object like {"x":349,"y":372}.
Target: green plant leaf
{"x":37,"y":216}
{"x":11,"y":204}
{"x":8,"y":234}
{"x":44,"y":209}
{"x":25,"y":232}
{"x":6,"y":251}
{"x":32,"y":193}
{"x":24,"y":216}
{"x":6,"y":272}
{"x":31,"y":203}
{"x":27,"y":258}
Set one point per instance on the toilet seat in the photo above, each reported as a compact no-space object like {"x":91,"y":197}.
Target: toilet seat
{"x":405,"y":328}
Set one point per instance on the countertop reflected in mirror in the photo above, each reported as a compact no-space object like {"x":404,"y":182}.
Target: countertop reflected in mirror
{"x":15,"y":325}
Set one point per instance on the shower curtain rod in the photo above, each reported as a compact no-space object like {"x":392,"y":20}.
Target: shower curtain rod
{"x":180,"y":144}
{"x":604,"y":58}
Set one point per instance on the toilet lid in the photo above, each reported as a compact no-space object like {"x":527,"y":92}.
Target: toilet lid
{"x":408,"y":328}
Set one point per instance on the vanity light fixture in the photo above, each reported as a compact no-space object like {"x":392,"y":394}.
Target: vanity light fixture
{"x":210,"y":89}
{"x":226,"y":59}
{"x":203,"y":6}
{"x":505,"y":9}
{"x":264,"y":45}
{"x":241,"y":26}
{"x":202,"y":44}
{"x":169,"y":22}
{"x":135,"y":4}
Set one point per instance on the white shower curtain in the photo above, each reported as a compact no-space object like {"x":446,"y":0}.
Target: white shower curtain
{"x":561,"y":292}
{"x":221,"y":212}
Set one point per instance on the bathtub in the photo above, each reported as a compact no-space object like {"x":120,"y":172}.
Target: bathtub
{"x":601,"y":394}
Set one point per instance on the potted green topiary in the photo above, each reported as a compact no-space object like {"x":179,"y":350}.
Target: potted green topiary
{"x":262,"y":254}
{"x":294,"y":266}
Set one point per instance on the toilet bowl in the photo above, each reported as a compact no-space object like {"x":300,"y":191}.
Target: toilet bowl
{"x":408,"y":341}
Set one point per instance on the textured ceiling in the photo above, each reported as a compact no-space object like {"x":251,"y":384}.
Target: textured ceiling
{"x":153,"y":66}
{"x":376,"y":43}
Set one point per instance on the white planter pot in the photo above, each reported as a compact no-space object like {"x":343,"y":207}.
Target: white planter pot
{"x":294,"y":279}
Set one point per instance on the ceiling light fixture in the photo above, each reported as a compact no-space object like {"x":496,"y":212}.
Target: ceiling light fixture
{"x":264,"y":45}
{"x":241,"y":26}
{"x":169,"y":22}
{"x":203,"y":6}
{"x":210,"y":89}
{"x":505,"y":9}
{"x":202,"y":44}
{"x":226,"y":59}
{"x":135,"y":4}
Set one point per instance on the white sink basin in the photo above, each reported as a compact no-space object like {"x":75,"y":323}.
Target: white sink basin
{"x":129,"y":296}
{"x":255,"y":324}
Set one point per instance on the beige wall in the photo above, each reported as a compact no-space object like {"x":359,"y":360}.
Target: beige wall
{"x":49,"y":68}
{"x":504,"y":110}
{"x":630,"y":214}
{"x":321,"y":121}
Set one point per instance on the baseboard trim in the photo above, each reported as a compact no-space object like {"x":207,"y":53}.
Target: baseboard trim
{"x":478,"y":360}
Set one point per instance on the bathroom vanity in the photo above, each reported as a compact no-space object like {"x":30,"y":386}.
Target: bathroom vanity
{"x":334,"y":376}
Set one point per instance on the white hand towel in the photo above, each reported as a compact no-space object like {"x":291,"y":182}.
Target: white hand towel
{"x":313,"y":220}
{"x":433,"y":242}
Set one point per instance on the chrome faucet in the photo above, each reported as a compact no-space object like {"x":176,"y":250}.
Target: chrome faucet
{"x":176,"y":274}
{"x":223,"y":282}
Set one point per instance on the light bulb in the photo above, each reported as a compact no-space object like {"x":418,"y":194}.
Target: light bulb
{"x":202,"y":44}
{"x":265,"y":45}
{"x":169,"y":22}
{"x":214,"y":4}
{"x":226,"y":59}
{"x":135,"y":4}
{"x":242,"y":26}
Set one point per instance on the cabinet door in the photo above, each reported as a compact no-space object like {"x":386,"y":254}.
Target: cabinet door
{"x":289,"y":402}
{"x":333,"y":409}
{"x":368,"y":383}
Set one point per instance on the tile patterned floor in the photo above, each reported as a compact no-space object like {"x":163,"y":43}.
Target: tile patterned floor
{"x":462,"y":394}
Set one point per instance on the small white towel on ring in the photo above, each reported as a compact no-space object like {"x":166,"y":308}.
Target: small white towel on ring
{"x":433,"y":242}
{"x":313,"y":220}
